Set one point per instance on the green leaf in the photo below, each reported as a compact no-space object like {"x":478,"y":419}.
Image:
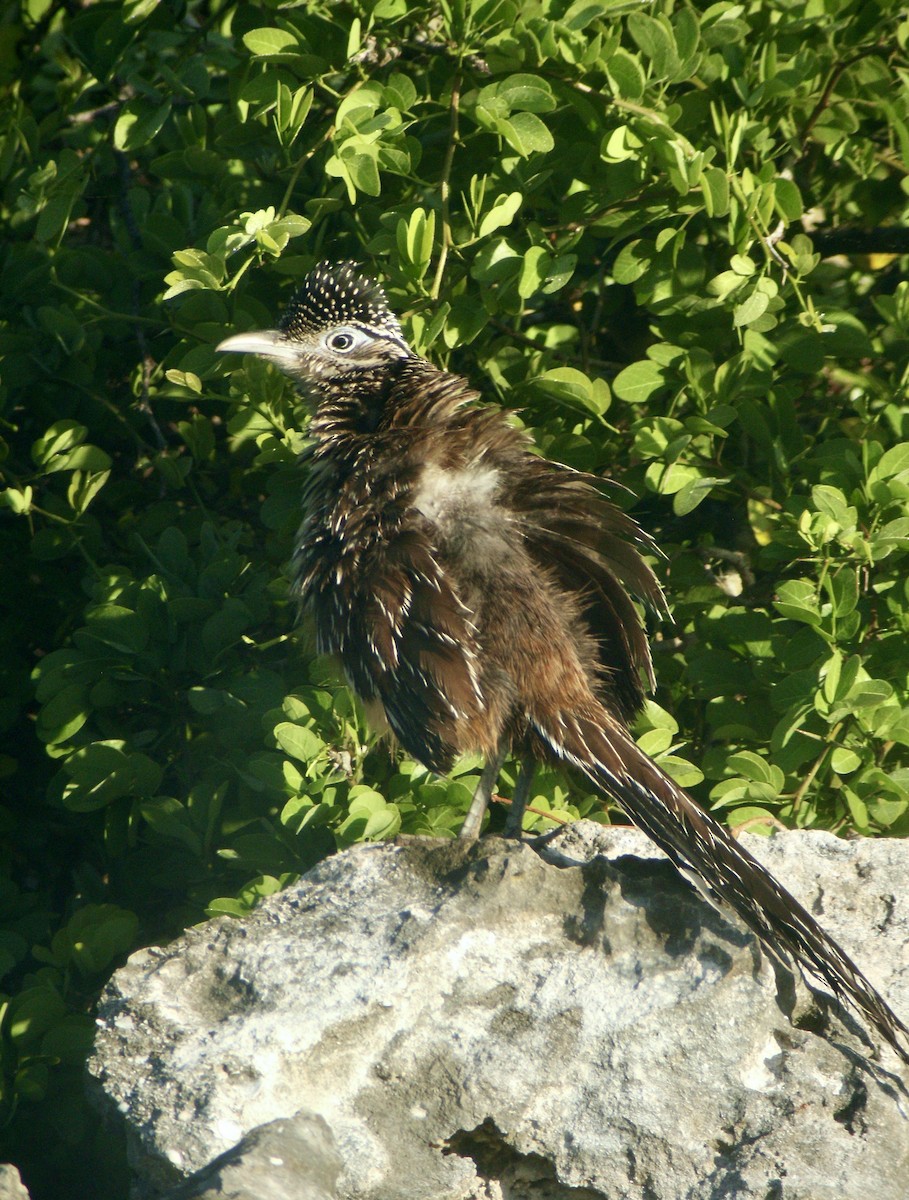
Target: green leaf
{"x":752,"y":766}
{"x":797,"y":599}
{"x":291,"y":111}
{"x":802,"y":349}
{"x":890,"y":536}
{"x":844,"y":762}
{"x":32,"y":1013}
{"x":684,"y":773}
{"x":298,"y":742}
{"x":751,"y":309}
{"x":139,"y":122}
{"x":367,"y":99}
{"x":95,"y":936}
{"x":84,"y":487}
{"x":656,"y":40}
{"x":857,"y":808}
{"x":526,"y":133}
{"x":415,"y":238}
{"x":868,"y":693}
{"x":690,"y":496}
{"x":533,"y":272}
{"x":672,"y":479}
{"x":81,"y":458}
{"x":844,"y":587}
{"x":118,"y":627}
{"x":655,"y":741}
{"x":18,"y":501}
{"x":732,"y":792}
{"x":830,"y":500}
{"x":788,"y":200}
{"x":743,"y":264}
{"x":501,"y":214}
{"x":572,"y":387}
{"x":383,"y":825}
{"x":625,"y":75}
{"x":400,"y":92}
{"x":99,"y":774}
{"x":168,"y":818}
{"x":70,"y":1040}
{"x":207,"y":701}
{"x":529,"y":93}
{"x":354,"y":37}
{"x":639,"y":382}
{"x":224,"y":628}
{"x":893,"y":462}
{"x":360,"y":163}
{"x":758,"y":820}
{"x":687,"y":32}
{"x":633,"y":262}
{"x":267,"y":41}
{"x":715,"y":188}
{"x":620,"y":145}
{"x":60,"y":437}
{"x":63,"y":715}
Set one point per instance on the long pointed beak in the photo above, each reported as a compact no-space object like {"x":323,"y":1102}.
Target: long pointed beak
{"x":267,"y":343}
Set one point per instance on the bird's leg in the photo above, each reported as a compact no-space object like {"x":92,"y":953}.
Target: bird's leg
{"x":515,"y":820}
{"x":470,"y":830}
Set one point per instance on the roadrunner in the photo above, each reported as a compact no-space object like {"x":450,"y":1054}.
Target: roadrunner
{"x":478,"y":598}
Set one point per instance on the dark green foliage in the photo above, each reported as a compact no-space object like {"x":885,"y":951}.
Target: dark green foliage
{"x":607,"y":215}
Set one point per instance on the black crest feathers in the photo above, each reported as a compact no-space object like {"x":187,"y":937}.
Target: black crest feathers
{"x":337,"y":294}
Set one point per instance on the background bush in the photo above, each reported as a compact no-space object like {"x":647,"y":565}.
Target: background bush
{"x":672,"y":235}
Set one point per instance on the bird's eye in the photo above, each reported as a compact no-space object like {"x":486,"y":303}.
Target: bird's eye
{"x":341,"y":341}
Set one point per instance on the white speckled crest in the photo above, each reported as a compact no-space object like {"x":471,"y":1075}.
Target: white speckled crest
{"x":337,"y":294}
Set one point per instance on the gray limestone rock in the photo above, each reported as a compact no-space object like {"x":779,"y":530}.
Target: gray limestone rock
{"x":478,"y":1023}
{"x":292,"y":1159}
{"x":11,"y":1186}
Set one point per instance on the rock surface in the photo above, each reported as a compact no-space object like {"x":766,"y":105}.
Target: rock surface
{"x":478,"y":1023}
{"x":294,"y":1159}
{"x":11,"y":1186}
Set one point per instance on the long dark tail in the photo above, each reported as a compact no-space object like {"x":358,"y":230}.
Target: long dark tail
{"x":705,"y":851}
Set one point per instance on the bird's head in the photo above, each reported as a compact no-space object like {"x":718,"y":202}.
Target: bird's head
{"x":338,"y":331}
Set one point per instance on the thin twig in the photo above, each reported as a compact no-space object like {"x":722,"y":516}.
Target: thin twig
{"x":571,"y":360}
{"x":307,"y":155}
{"x":767,"y":819}
{"x":770,"y":242}
{"x":889,"y":239}
{"x":445,"y":185}
{"x":638,"y":110}
{"x":834,"y":79}
{"x":301,"y":163}
{"x":539,"y":812}
{"x":767,"y":240}
{"x":815,"y":767}
{"x":144,"y":402}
